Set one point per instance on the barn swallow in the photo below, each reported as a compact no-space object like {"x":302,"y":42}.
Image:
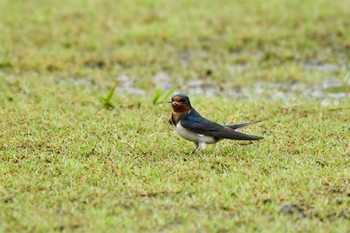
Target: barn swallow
{"x":190,"y":125}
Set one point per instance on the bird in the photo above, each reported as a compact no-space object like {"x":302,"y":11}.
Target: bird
{"x":190,"y":125}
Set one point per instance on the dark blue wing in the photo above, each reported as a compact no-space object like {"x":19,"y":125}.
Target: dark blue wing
{"x":195,"y":123}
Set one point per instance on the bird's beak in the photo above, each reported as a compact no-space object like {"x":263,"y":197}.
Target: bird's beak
{"x":175,"y":103}
{"x":170,"y":102}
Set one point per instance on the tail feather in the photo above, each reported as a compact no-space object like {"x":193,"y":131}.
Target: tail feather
{"x":241,"y":125}
{"x":241,"y":136}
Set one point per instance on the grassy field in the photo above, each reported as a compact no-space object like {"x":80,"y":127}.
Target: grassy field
{"x":70,"y":165}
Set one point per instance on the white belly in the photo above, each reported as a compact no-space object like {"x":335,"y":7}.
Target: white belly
{"x":194,"y":137}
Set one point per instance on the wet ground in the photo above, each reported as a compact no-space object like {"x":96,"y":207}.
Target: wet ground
{"x":329,"y":91}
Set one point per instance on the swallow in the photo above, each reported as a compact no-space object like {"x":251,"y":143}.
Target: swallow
{"x":190,"y":125}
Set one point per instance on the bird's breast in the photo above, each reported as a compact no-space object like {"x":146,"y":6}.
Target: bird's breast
{"x":177,"y":116}
{"x":194,"y":137}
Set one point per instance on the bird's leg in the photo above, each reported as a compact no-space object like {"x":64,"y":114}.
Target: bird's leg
{"x":195,"y":147}
{"x":202,"y":146}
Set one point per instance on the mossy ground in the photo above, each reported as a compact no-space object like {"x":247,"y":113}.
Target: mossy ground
{"x":68,"y":164}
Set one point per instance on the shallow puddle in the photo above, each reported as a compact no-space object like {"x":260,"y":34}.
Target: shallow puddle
{"x":329,"y":92}
{"x":314,"y":65}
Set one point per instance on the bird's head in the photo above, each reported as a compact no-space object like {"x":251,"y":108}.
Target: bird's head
{"x":180,"y":103}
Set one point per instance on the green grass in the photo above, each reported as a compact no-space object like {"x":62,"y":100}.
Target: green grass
{"x":101,"y":39}
{"x":68,"y":164}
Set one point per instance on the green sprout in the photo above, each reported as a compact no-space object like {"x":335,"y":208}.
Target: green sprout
{"x":160,"y":95}
{"x":106,"y":101}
